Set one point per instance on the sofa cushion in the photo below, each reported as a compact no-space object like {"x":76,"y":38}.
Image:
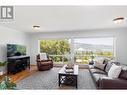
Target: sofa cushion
{"x":97,"y":71}
{"x":114,"y":71}
{"x":45,"y":63}
{"x":91,"y":66}
{"x":98,"y":76}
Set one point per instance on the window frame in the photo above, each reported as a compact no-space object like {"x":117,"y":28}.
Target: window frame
{"x":72,"y":44}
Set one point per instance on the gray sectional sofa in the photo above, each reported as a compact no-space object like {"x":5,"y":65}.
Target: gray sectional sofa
{"x":102,"y":80}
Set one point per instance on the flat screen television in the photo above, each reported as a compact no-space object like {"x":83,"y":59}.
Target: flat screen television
{"x":15,"y":50}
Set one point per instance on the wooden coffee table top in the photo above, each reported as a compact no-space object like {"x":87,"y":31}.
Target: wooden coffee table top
{"x":62,"y":70}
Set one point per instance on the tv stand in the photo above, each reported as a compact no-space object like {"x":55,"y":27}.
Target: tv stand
{"x":17,"y":64}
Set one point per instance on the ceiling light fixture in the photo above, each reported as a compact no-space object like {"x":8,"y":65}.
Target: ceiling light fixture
{"x":118,"y":20}
{"x":36,"y":27}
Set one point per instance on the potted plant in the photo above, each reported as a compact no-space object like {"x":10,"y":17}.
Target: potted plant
{"x":7,"y":84}
{"x":3,"y":67}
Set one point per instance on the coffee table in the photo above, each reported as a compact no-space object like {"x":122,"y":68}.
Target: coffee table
{"x":68,"y":78}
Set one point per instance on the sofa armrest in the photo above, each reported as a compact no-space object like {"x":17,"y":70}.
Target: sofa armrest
{"x":38,"y":60}
{"x":108,"y":83}
{"x":49,"y":59}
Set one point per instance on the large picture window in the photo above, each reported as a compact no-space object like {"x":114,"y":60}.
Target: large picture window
{"x":82,"y":50}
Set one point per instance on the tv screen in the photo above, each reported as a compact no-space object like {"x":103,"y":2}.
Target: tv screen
{"x":15,"y":50}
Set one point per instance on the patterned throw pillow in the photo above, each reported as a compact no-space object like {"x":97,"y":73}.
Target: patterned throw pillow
{"x":114,"y":71}
{"x":108,"y":66}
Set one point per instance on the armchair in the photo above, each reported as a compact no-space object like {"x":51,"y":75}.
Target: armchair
{"x":43,"y":62}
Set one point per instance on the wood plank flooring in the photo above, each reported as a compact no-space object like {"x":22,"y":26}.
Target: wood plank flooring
{"x":21,"y":75}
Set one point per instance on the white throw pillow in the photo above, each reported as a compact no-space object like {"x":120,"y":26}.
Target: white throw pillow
{"x":99,"y":65}
{"x":100,"y":61}
{"x":114,"y":71}
{"x":43,"y":56}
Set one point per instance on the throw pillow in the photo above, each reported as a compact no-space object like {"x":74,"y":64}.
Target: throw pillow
{"x":100,"y":61}
{"x":99,"y":65}
{"x":114,"y":71}
{"x":105,"y":61}
{"x":108,"y":66}
{"x":43,"y":56}
{"x":117,"y":63}
{"x":123,"y":74}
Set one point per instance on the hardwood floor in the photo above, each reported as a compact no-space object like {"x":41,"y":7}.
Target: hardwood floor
{"x":21,"y":75}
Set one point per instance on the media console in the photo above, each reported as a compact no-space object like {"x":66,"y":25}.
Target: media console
{"x":17,"y":64}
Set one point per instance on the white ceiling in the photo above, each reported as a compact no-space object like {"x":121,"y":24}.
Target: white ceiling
{"x":65,"y":18}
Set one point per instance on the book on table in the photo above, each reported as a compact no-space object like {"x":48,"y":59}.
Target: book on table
{"x":69,"y":70}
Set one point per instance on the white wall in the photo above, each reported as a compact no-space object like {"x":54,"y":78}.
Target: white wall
{"x":11,"y":36}
{"x":119,"y":34}
{"x":121,"y":46}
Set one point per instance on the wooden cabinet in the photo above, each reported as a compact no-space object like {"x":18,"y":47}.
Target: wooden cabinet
{"x":18,"y":63}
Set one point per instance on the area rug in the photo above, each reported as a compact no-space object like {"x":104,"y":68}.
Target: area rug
{"x":49,"y":80}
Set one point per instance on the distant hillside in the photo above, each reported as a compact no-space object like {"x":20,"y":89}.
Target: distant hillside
{"x":93,"y":47}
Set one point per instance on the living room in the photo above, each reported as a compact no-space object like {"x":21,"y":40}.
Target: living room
{"x":93,"y":26}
